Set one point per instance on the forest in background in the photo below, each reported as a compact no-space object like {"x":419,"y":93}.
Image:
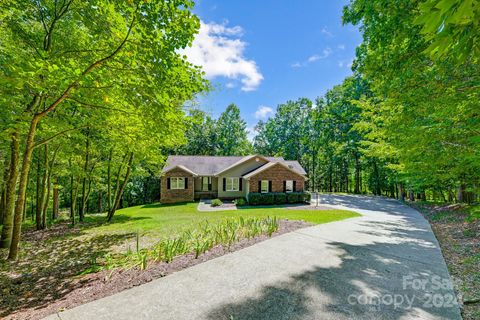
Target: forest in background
{"x":87,"y":125}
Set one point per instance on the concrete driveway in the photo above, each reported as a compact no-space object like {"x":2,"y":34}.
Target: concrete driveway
{"x":384,"y":265}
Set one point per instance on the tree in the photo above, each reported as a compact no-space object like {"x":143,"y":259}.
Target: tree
{"x":232,"y":133}
{"x":424,"y":111}
{"x":96,"y":56}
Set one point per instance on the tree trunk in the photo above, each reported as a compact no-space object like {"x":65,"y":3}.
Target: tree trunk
{"x":402,"y":192}
{"x":56,"y":204}
{"x":3,"y":196}
{"x":411,"y":196}
{"x":100,"y":201}
{"x":73,"y":197}
{"x":109,"y":181}
{"x":22,"y":190}
{"x":83,"y":207}
{"x":10,"y":187}
{"x":121,"y":188}
{"x":45,"y":188}
{"x":39,"y":198}
{"x":357,"y":174}
{"x":461,"y":192}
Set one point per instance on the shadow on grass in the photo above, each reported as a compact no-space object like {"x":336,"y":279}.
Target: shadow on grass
{"x":48,"y":270}
{"x":164,"y":205}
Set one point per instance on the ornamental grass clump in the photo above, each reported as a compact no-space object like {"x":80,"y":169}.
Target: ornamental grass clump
{"x":196,"y":241}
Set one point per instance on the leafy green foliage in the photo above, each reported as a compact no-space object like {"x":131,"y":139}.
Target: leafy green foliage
{"x":216,"y":203}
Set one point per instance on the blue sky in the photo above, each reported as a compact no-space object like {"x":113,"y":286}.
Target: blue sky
{"x":259,"y":54}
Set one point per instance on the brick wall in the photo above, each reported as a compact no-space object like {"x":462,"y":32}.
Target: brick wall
{"x":176,"y":195}
{"x":277,"y":174}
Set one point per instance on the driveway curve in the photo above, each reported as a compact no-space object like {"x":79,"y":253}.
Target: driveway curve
{"x":385,"y":264}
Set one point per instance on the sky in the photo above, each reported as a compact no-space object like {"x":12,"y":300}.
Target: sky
{"x":258,"y":54}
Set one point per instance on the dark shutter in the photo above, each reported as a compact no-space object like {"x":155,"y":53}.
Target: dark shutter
{"x":270,"y":186}
{"x":284,"y":186}
{"x":224,"y":184}
{"x":186,"y":184}
{"x":259,"y":186}
{"x":168,"y":183}
{"x":209,"y":183}
{"x":240,"y":184}
{"x":294,"y":185}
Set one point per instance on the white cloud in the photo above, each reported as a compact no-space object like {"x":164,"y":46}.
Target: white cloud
{"x":263,"y":112}
{"x":325,"y":54}
{"x":326,"y":32}
{"x":230,"y":85}
{"x":314,"y":58}
{"x":341,"y":46}
{"x":220,"y":52}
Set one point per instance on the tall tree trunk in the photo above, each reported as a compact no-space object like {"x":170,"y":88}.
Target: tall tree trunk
{"x":22,"y":189}
{"x":100,"y":201}
{"x":109,"y":181}
{"x":73,"y":197}
{"x":3,"y":196}
{"x":357,"y":174}
{"x":39,"y":195}
{"x":56,"y":204}
{"x":45,"y":187}
{"x":121,"y":188}
{"x":83,"y":207}
{"x":11,"y":186}
{"x":402,"y":192}
{"x":411,"y":196}
{"x":461,"y":192}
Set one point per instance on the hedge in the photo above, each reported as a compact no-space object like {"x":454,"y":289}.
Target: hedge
{"x":256,"y":198}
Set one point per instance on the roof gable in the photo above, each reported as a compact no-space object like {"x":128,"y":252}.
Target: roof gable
{"x":271,"y":165}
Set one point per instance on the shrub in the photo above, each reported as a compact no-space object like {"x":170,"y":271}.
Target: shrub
{"x":307,"y":196}
{"x":268,"y":198}
{"x":298,"y":197}
{"x":280,"y":198}
{"x":255,"y":198}
{"x":216,"y":203}
{"x":240,"y":202}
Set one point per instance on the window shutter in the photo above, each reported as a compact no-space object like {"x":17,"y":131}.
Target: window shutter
{"x":209,"y":183}
{"x":186,"y":183}
{"x":269,"y":185}
{"x":224,"y":184}
{"x":168,"y":183}
{"x":240,"y":184}
{"x":284,"y":186}
{"x":294,"y":185}
{"x":259,"y":185}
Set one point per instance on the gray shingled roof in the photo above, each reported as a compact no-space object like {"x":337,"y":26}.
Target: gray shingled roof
{"x":210,"y":165}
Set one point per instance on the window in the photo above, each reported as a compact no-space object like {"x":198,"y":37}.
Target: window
{"x":289,"y":186}
{"x":177,"y":183}
{"x":206,"y":181}
{"x":264,"y":186}
{"x":232,"y":184}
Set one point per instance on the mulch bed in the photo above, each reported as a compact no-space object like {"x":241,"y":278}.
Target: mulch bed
{"x":459,"y":238}
{"x":83,"y":289}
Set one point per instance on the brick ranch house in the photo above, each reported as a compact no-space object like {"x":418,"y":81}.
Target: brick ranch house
{"x":188,"y":178}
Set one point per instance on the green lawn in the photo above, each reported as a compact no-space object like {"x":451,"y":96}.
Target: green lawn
{"x":160,"y":221}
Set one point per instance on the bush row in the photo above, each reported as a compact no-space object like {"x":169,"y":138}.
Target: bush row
{"x":277,"y":198}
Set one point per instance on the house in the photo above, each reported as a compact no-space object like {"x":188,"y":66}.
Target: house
{"x":188,"y":178}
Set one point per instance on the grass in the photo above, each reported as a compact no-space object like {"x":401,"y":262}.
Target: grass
{"x":55,"y":261}
{"x":159,"y":220}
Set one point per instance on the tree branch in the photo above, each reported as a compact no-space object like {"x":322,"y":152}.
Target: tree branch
{"x":44,"y":141}
{"x":88,"y":70}
{"x":85,"y":104}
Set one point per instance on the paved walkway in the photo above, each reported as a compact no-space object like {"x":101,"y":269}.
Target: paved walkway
{"x":383,"y":265}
